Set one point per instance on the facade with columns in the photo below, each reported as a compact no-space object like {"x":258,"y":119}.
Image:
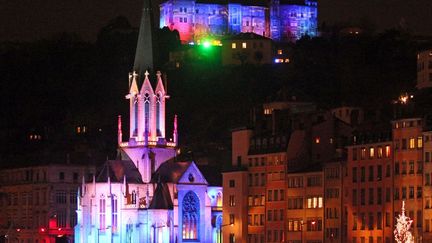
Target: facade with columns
{"x":145,"y":195}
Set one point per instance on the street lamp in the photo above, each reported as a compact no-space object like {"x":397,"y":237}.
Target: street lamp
{"x":220,"y":230}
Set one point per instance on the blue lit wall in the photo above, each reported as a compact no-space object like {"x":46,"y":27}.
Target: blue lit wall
{"x":286,"y":22}
{"x":296,"y":21}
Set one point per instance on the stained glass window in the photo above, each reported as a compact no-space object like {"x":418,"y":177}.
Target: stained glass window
{"x":190,"y":216}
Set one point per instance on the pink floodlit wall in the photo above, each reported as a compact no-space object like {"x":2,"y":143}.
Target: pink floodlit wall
{"x":281,"y":22}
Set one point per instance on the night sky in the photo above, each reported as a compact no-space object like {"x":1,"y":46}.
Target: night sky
{"x":29,"y":19}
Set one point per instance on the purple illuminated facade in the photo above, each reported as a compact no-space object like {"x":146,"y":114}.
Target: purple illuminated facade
{"x":280,"y":21}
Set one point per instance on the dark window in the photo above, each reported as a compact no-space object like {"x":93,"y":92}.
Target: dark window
{"x":61,"y":175}
{"x":231,"y":183}
{"x":354,"y":174}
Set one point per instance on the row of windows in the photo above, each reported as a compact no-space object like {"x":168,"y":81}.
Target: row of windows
{"x":371,"y":198}
{"x":255,"y":238}
{"x":257,"y":179}
{"x":256,"y":200}
{"x":276,"y":195}
{"x":295,"y":203}
{"x":371,"y":240}
{"x":275,"y":215}
{"x":37,"y":197}
{"x":371,"y":173}
{"x":332,"y":193}
{"x":332,"y":173}
{"x":411,"y":143}
{"x":312,"y":224}
{"x":314,"y":181}
{"x":331,"y":213}
{"x":411,"y":168}
{"x":411,"y":194}
{"x":270,"y":160}
{"x":378,"y":152}
{"x":256,"y":219}
{"x":275,"y":235}
{"x":361,"y":219}
{"x":403,"y":124}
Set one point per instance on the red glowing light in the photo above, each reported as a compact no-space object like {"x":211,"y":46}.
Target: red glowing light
{"x":18,"y":230}
{"x":42,"y":230}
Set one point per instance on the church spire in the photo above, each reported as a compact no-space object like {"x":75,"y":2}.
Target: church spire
{"x":145,"y":51}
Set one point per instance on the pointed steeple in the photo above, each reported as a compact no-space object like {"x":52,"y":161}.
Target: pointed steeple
{"x":145,"y":51}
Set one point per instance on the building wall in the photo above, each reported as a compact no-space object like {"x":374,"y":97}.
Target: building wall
{"x":196,"y":20}
{"x":333,"y":199}
{"x":235,"y":209}
{"x":250,"y":51}
{"x":427,"y":185}
{"x":424,"y":69}
{"x":305,"y":211}
{"x":240,"y":146}
{"x":408,"y":154}
{"x":368,"y":196}
{"x":39,"y":202}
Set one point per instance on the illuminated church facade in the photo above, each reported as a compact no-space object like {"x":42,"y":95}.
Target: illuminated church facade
{"x":145,"y":195}
{"x":285,"y":20}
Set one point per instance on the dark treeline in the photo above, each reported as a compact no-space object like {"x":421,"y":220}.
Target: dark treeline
{"x":50,"y":87}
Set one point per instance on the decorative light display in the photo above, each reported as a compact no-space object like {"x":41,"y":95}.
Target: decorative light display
{"x":194,"y":21}
{"x":402,"y":232}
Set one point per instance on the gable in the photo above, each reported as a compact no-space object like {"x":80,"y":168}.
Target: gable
{"x":192,"y":175}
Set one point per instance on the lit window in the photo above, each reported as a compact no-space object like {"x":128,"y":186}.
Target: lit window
{"x":78,"y":130}
{"x":317,"y":140}
{"x":411,"y":143}
{"x":371,"y":152}
{"x":279,"y":52}
{"x":287,"y":60}
{"x":380,"y":152}
{"x":420,"y":142}
{"x":387,"y":151}
{"x":233,"y":45}
{"x":363,"y":153}
{"x":244,"y":45}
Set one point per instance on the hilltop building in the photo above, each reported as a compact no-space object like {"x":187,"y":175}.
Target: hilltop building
{"x":145,"y":195}
{"x":278,"y":20}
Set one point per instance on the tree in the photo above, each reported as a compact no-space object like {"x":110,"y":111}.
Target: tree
{"x":402,"y":232}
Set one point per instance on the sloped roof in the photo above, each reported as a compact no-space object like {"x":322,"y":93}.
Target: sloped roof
{"x":161,"y":198}
{"x":246,"y":36}
{"x":117,"y":169}
{"x":170,"y":171}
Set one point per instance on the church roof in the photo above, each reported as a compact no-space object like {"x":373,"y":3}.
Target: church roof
{"x":170,"y":171}
{"x":161,"y":198}
{"x":117,"y":169}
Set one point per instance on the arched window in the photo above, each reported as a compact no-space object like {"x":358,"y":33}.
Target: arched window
{"x":158,"y":113}
{"x":102,"y":208}
{"x":219,"y":199}
{"x":135,"y":131}
{"x":114,"y":213}
{"x":146,"y":111}
{"x":190,"y":216}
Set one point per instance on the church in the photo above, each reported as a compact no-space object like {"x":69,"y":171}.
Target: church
{"x":146,"y":195}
